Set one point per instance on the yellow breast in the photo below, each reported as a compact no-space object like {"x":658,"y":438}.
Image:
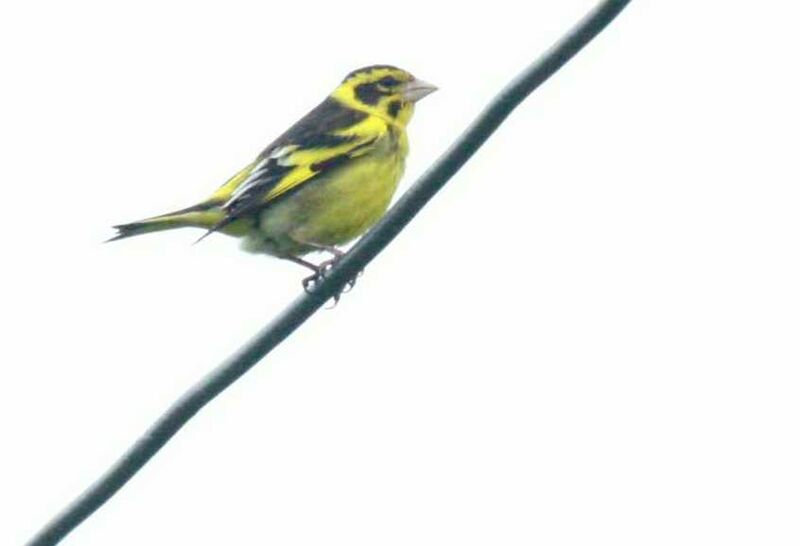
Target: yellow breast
{"x":339,"y":206}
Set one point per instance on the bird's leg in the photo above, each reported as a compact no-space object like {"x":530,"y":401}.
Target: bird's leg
{"x":338,"y":254}
{"x":311,"y":280}
{"x":301,"y":261}
{"x":327,"y":265}
{"x":323,"y":268}
{"x":319,"y":273}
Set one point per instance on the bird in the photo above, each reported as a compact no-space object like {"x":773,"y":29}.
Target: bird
{"x":322,"y":183}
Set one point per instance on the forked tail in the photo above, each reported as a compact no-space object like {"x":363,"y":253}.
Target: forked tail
{"x":203,"y":215}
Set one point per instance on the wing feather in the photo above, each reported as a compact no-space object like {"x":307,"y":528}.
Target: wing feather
{"x":326,"y":137}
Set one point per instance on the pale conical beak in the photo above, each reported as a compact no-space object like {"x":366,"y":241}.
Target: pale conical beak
{"x":417,"y":89}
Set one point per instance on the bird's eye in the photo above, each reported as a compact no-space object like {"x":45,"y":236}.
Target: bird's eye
{"x":388,"y":81}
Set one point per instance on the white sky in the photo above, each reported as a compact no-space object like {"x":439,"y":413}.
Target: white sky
{"x":589,"y":337}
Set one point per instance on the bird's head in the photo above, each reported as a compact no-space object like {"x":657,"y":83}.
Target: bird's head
{"x":384,"y":91}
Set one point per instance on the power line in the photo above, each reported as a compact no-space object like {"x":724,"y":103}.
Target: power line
{"x":354,"y":261}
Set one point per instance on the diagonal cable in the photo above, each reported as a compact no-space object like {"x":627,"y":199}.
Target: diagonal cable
{"x":354,"y":261}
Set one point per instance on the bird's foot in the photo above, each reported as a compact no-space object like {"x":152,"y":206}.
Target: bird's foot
{"x":310,"y":282}
{"x":320,"y":272}
{"x":351,"y":283}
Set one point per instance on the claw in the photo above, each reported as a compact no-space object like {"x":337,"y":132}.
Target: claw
{"x":310,"y":282}
{"x":326,"y":266}
{"x":351,"y":283}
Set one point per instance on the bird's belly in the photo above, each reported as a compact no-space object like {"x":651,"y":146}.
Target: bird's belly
{"x":333,"y":209}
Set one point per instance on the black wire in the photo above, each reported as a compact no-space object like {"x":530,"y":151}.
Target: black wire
{"x":359,"y":256}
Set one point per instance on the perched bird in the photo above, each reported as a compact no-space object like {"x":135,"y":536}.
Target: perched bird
{"x":319,"y":185}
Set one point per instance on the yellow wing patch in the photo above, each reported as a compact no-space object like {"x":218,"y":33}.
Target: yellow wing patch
{"x":307,"y":160}
{"x":290,"y":165}
{"x":226,"y":190}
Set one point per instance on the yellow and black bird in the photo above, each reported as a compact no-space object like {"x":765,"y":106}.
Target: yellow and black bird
{"x":322,"y":183}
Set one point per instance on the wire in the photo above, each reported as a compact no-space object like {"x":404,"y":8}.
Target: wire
{"x":354,"y":261}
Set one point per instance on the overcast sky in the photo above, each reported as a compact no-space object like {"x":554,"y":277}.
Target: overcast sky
{"x":589,"y":337}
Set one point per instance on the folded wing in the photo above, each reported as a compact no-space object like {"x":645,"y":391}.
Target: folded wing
{"x":325,"y":138}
